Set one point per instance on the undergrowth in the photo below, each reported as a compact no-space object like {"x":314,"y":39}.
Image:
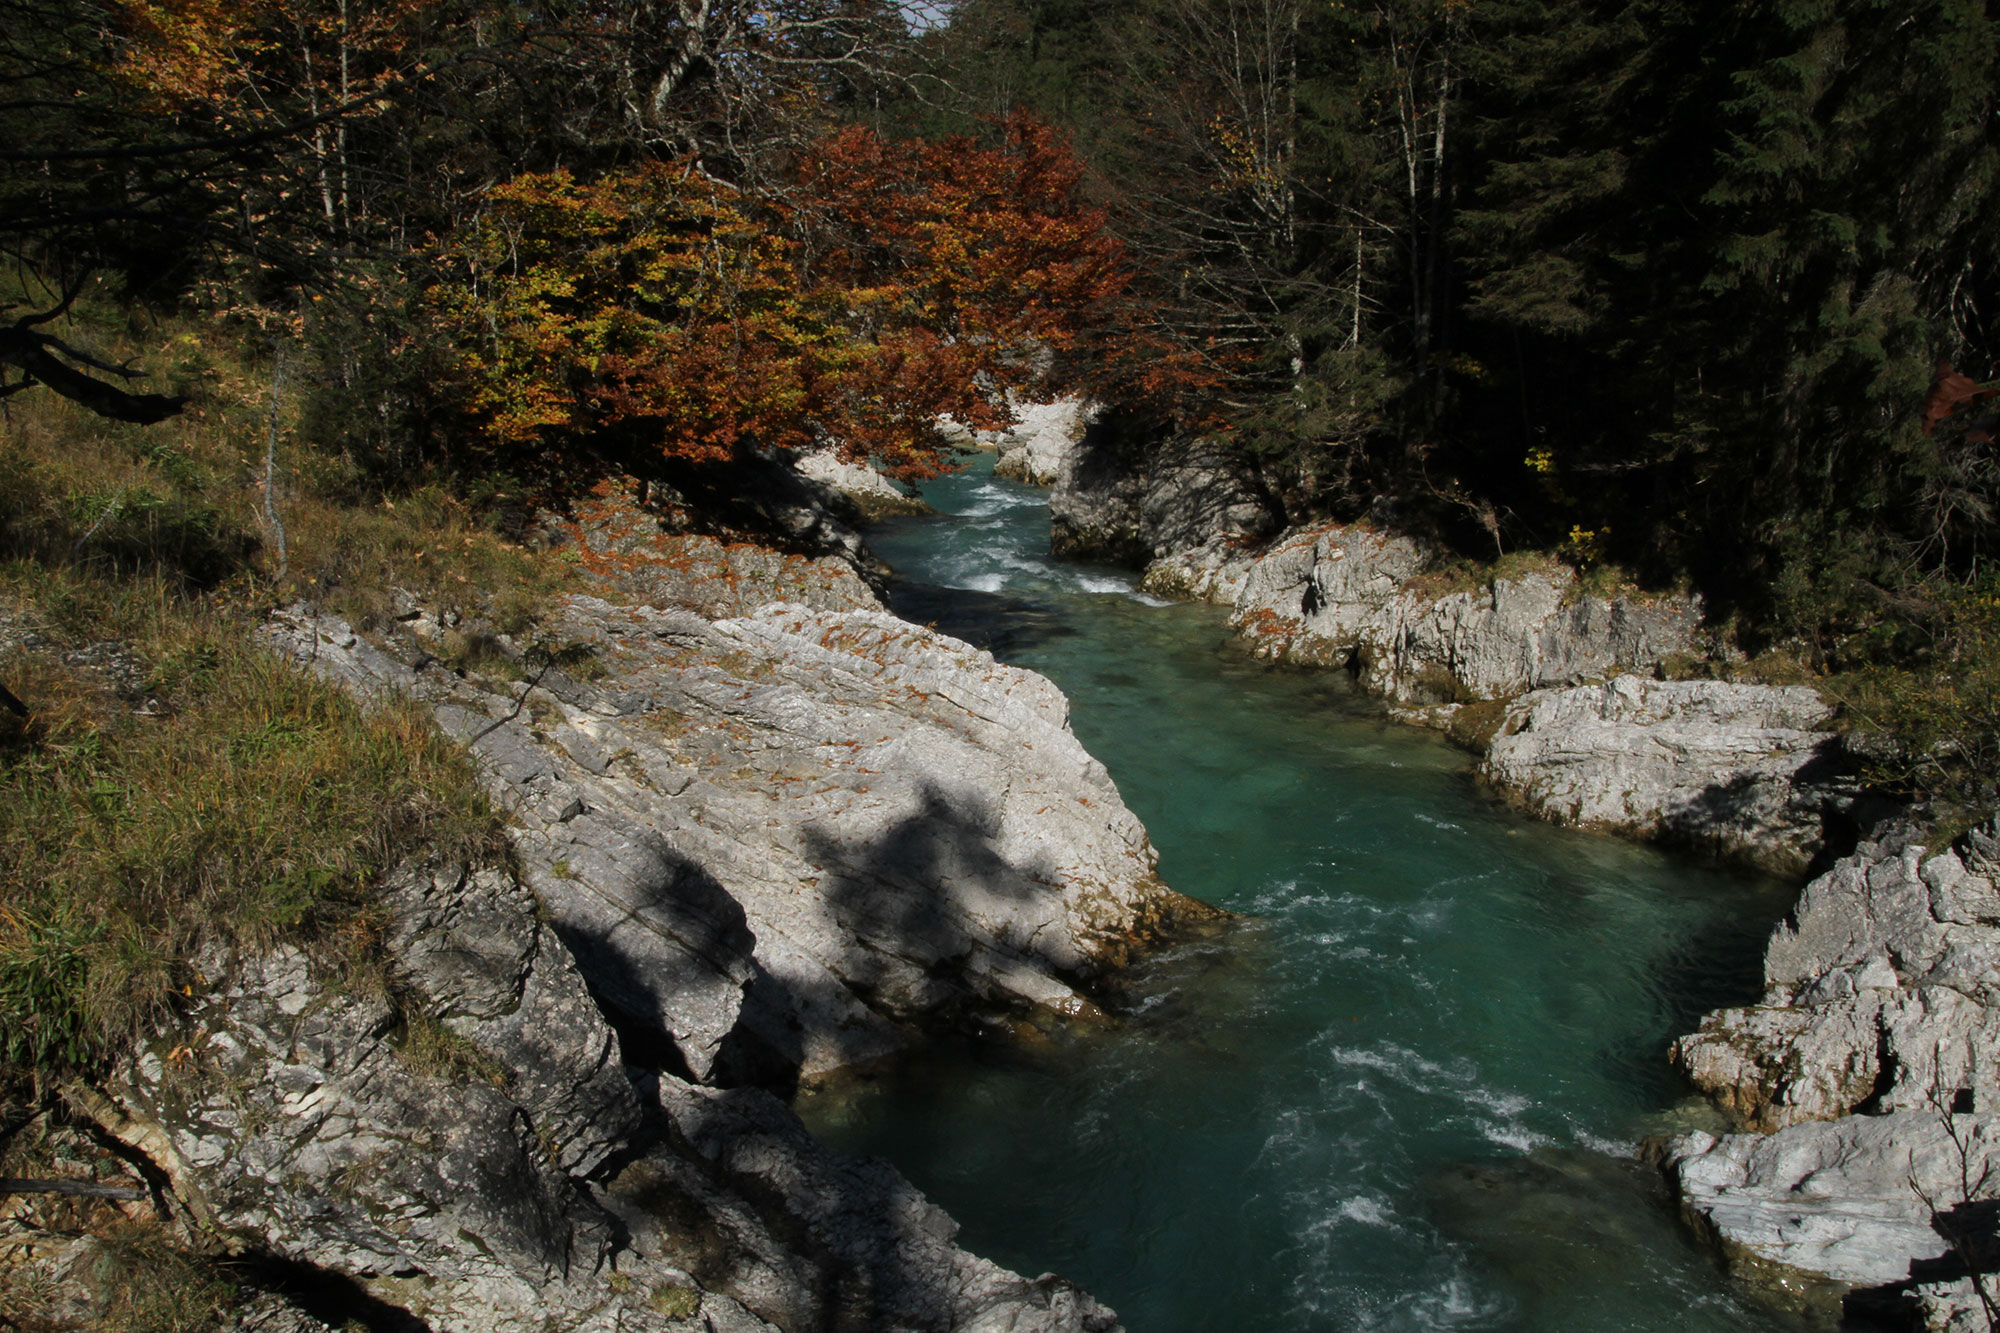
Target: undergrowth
{"x":173,"y":787}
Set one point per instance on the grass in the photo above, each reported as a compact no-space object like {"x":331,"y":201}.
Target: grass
{"x":433,"y":1050}
{"x":175,"y":788}
{"x":256,"y":804}
{"x":155,"y":1286}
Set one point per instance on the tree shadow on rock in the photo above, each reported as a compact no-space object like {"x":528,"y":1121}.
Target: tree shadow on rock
{"x":911,"y":914}
{"x":674,"y":932}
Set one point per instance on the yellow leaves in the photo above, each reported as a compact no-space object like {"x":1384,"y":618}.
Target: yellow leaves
{"x":1586,"y":546}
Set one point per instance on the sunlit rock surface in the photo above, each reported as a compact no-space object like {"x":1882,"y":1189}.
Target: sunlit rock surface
{"x":871,"y":493}
{"x":1741,"y":772}
{"x":1042,"y":442}
{"x":1870,"y":1064}
{"x":1352,"y":596}
{"x":788,"y":841}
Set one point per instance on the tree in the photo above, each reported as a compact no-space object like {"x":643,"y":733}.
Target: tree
{"x":655,"y":311}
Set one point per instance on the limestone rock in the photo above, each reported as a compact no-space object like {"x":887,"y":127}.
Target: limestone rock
{"x":1852,"y":1200}
{"x":1734,"y":770}
{"x":1872,"y":1066}
{"x":1215,"y":571}
{"x":783,"y":842}
{"x":340,"y":1129}
{"x":873,"y":494}
{"x":1137,"y":502}
{"x":432,"y":1143}
{"x":1355,"y":596}
{"x":1040,"y":444}
{"x":1883,"y":994}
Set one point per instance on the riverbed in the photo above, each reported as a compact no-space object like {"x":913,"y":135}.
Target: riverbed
{"x":1404,"y":1090}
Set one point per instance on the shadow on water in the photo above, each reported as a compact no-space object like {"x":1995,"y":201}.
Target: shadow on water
{"x":1003,"y":625}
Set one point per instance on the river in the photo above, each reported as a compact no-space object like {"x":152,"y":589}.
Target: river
{"x":1404,"y":1092}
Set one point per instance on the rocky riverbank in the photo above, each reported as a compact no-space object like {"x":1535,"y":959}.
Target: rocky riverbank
{"x":1557,"y":685}
{"x":748,"y":850}
{"x":1865,"y":1166}
{"x":1866,"y":1083}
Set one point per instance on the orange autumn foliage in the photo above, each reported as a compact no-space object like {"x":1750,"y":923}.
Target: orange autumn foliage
{"x":653,"y":309}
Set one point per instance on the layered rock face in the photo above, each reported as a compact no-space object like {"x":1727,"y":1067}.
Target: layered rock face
{"x":1337,"y":596}
{"x":1740,"y":772}
{"x":1870,"y":1068}
{"x":787,"y":840}
{"x":1124,"y":503}
{"x":458,"y":1141}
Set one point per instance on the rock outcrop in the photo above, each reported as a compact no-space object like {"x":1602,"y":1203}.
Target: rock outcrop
{"x":1870,"y":1070}
{"x":1747,"y":773}
{"x":1351,"y":596}
{"x":455,"y":1141}
{"x":787,"y":841}
{"x":1881,"y":995}
{"x":872,"y":494}
{"x":1135,"y":503}
{"x":746,"y":851}
{"x":1043,"y":440}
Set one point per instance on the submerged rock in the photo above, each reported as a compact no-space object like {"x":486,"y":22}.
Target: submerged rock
{"x":745,"y":1184}
{"x":1741,"y":772}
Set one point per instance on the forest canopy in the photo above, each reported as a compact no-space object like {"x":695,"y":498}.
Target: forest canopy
{"x":1665,"y":284}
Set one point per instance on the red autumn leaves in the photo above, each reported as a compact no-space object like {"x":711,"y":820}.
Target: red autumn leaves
{"x":887,"y":283}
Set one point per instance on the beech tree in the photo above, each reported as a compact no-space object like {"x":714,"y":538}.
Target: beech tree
{"x":655,"y":311}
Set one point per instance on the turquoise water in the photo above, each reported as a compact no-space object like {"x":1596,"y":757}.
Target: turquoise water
{"x":1404,"y":1092}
